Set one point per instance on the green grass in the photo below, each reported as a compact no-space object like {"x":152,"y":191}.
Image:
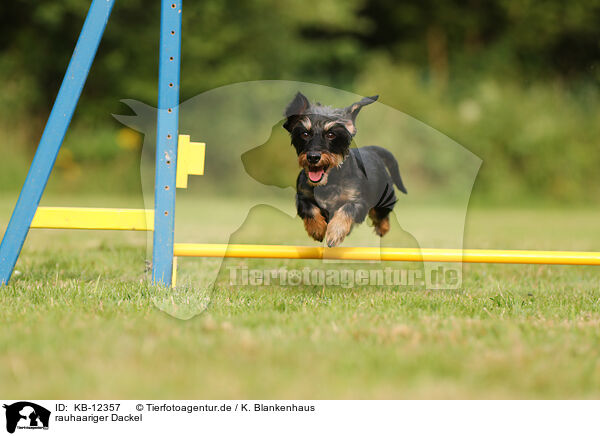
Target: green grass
{"x":80,"y":321}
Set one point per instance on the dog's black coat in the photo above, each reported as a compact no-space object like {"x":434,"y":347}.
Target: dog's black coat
{"x":364,"y":181}
{"x":339,"y":186}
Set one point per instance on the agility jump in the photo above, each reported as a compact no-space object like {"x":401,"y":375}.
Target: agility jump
{"x":177,"y":158}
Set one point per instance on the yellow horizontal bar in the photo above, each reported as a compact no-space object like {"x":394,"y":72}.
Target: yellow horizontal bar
{"x":93,"y":218}
{"x":388,"y":254}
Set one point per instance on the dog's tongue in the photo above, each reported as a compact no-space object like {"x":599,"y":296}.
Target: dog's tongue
{"x":315,"y":176}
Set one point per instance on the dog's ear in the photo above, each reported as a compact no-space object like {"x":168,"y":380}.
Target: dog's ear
{"x":355,"y":108}
{"x":297,"y":107}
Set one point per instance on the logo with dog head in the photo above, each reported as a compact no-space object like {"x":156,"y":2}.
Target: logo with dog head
{"x":26,"y":415}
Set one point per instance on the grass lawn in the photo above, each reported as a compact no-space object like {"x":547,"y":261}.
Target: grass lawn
{"x":80,"y":321}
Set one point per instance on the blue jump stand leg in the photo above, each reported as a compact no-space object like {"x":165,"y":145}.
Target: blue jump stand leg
{"x":54,"y":133}
{"x":166,"y":141}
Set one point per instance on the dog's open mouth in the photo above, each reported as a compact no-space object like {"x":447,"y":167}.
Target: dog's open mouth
{"x":315,"y":174}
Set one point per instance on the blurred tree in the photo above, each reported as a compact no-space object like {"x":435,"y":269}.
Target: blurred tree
{"x":516,"y":81}
{"x":223,"y":42}
{"x":327,"y":41}
{"x":520,"y":37}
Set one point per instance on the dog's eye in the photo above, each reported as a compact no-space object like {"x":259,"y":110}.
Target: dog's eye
{"x":330,"y":135}
{"x":304,"y":135}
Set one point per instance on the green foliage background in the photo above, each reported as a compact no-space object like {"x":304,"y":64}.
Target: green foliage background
{"x":514,"y":81}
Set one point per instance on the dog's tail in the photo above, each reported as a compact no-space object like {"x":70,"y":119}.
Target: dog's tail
{"x":392,"y":165}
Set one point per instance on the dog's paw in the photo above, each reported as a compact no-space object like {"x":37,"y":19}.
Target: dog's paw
{"x":316,"y":227}
{"x":339,"y":227}
{"x":382,"y":227}
{"x":334,"y":237}
{"x":317,"y":236}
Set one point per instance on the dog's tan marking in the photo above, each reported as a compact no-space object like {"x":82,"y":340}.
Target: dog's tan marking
{"x":338,"y":228}
{"x":348,"y":195}
{"x":349,"y":125}
{"x":329,"y":125}
{"x":306,"y":123}
{"x":331,"y":160}
{"x":316,"y":226}
{"x":302,"y":160}
{"x":382,"y":226}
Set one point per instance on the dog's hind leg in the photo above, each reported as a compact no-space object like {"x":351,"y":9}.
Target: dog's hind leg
{"x":381,"y":220}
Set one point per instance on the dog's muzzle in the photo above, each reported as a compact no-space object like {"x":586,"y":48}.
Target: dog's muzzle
{"x":315,"y":174}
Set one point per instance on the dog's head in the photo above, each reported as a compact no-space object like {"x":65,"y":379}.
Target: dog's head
{"x":321,"y":135}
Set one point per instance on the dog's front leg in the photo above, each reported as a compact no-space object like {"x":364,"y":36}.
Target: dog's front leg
{"x":314,"y":221}
{"x":342,"y":221}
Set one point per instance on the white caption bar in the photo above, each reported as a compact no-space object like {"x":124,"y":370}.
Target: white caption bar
{"x":299,"y":417}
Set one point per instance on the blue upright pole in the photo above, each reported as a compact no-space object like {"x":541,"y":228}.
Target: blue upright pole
{"x":53,"y":135}
{"x":166,"y":141}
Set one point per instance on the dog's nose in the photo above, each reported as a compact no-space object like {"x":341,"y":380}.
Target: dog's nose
{"x":313,"y":157}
